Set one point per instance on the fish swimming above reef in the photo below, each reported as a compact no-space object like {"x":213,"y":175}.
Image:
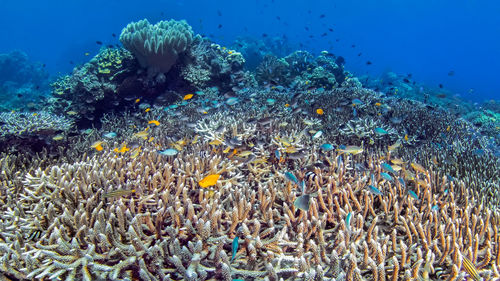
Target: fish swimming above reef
{"x":168,"y":152}
{"x":209,"y":180}
{"x":351,"y":149}
{"x":234,"y":247}
{"x":380,"y":131}
{"x":374,"y":190}
{"x":387,"y":168}
{"x":119,"y":193}
{"x":303,"y":202}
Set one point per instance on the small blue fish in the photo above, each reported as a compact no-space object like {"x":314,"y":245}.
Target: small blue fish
{"x":446,"y":191}
{"x":375,"y":190}
{"x":168,"y":152}
{"x":277,"y":154}
{"x":380,"y":131}
{"x":387,"y":168}
{"x":435,"y":208}
{"x":413,"y":194}
{"x":402,"y":182}
{"x":291,"y":177}
{"x":271,"y":101}
{"x":232,"y":101}
{"x":357,"y":102}
{"x":326,"y":147}
{"x":348,"y":221}
{"x":386,"y":176}
{"x":110,"y":135}
{"x":354,"y":112}
{"x":302,"y":186}
{"x":235,"y":247}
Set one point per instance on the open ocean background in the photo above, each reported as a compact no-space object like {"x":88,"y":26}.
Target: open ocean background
{"x":427,"y":39}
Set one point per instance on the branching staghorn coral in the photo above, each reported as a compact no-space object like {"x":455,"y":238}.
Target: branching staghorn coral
{"x":171,"y":228}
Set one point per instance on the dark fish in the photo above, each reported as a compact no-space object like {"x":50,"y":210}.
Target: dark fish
{"x":220,"y":26}
{"x":264,"y":35}
{"x":441,"y":96}
{"x":340,"y":60}
{"x":322,"y":16}
{"x":324,"y":34}
{"x":98,"y":42}
{"x":368,"y":62}
{"x":44,"y":65}
{"x":278,"y":18}
{"x":440,"y":86}
{"x":330,"y":29}
{"x":265,"y":121}
{"x":19,"y":95}
{"x":219,"y":13}
{"x":296,"y":155}
{"x":359,"y":55}
{"x":71,"y":62}
{"x":306,"y":28}
{"x":112,"y":34}
{"x":406,"y":80}
{"x":353,"y":46}
{"x":110,"y":46}
{"x":451,"y":73}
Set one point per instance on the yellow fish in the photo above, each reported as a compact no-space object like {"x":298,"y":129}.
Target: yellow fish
{"x":394,"y":146}
{"x":154,"y":122}
{"x":397,"y":161}
{"x":448,"y":128}
{"x":188,"y":97}
{"x":215,"y":142}
{"x":87,"y":53}
{"x":58,"y":137}
{"x":418,"y":167}
{"x":351,"y":149}
{"x":406,"y":137}
{"x":137,"y":100}
{"x":244,"y":153}
{"x":135,"y":152}
{"x":209,"y":180}
{"x":147,"y":109}
{"x":378,"y":104}
{"x":320,"y":111}
{"x":141,"y":134}
{"x":119,"y":192}
{"x":71,"y":112}
{"x":97,"y":145}
{"x":35,"y":114}
{"x":195,"y":139}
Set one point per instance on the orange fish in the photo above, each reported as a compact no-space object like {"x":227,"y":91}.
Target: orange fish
{"x":209,"y":180}
{"x":406,"y":137}
{"x":154,"y":122}
{"x":378,"y":104}
{"x":97,"y":145}
{"x":122,"y":149}
{"x":188,"y":97}
{"x":320,"y":111}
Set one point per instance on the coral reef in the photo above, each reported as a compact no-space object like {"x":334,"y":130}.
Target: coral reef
{"x":135,"y":214}
{"x":207,"y":64}
{"x":158,"y":46}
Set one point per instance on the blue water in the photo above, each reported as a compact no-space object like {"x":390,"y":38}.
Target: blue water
{"x":425,"y":38}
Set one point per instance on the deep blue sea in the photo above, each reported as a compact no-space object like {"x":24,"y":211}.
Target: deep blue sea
{"x":452,"y":43}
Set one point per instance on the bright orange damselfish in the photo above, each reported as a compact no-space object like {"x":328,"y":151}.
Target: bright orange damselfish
{"x":209,"y":180}
{"x":320,"y":111}
{"x":188,"y":97}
